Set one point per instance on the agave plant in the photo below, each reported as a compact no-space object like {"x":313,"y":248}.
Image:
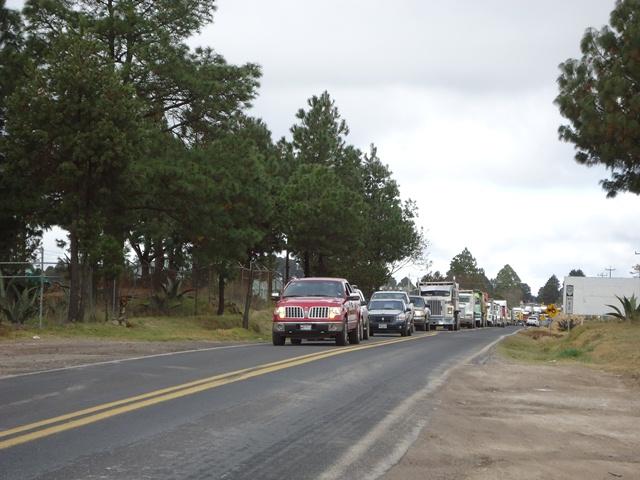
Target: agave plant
{"x":170,"y":296}
{"x":18,"y":306}
{"x":630,"y":309}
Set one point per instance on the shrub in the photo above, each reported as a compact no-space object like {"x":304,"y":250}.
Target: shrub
{"x":630,"y":309}
{"x":567,"y":324}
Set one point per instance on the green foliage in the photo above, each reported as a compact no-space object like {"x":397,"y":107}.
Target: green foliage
{"x":629,"y":309}
{"x":576,"y":273}
{"x":341,"y":211}
{"x":550,"y":292}
{"x":464,"y":268}
{"x":124,"y":133}
{"x":170,"y":296}
{"x":433,"y":277}
{"x":600,"y":96}
{"x":570,"y":353}
{"x":508,"y":285}
{"x":18,"y":304}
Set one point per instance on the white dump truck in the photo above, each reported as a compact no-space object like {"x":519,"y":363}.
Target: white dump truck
{"x":467,"y":306}
{"x":442,"y":299}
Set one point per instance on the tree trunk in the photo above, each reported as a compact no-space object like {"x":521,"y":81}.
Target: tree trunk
{"x":221,"y":282}
{"x":286,"y":268}
{"x":158,"y":265}
{"x":74,"y":273}
{"x":322,"y":268}
{"x":195,"y":287}
{"x":85,"y":286}
{"x":247,"y":298}
{"x":307,"y":264}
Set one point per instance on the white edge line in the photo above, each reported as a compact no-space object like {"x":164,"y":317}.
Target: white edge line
{"x":357,"y":451}
{"x":129,"y":359}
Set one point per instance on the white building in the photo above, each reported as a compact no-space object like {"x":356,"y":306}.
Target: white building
{"x":591,"y":295}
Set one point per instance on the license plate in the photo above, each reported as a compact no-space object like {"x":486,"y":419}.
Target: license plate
{"x":305,"y":327}
{"x":382,"y":326}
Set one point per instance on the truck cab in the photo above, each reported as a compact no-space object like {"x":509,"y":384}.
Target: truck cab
{"x":442,"y":299}
{"x":467,"y":305}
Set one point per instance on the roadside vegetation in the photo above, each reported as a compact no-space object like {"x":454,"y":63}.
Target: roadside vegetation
{"x":227,"y":327}
{"x":611,"y":345}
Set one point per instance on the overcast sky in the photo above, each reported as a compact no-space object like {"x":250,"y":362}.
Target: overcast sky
{"x":458,"y":97}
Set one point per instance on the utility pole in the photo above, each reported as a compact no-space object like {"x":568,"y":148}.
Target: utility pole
{"x":610,"y":269}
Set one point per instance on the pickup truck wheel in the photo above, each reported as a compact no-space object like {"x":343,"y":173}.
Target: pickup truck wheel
{"x":354,"y":336}
{"x":371,"y":332}
{"x":341,"y":338}
{"x":296,"y":341}
{"x":365,"y":331}
{"x":278,"y":339}
{"x":410,"y":330}
{"x":403,"y":332}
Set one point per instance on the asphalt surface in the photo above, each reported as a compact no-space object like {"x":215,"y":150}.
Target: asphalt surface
{"x":331,"y":412}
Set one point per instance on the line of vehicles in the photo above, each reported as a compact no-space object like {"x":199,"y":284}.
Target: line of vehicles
{"x":331,"y":308}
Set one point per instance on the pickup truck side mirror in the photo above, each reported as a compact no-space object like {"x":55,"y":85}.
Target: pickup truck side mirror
{"x":354,"y":296}
{"x":275,"y":296}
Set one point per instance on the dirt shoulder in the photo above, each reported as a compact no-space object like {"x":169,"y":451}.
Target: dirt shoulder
{"x":498,"y":419}
{"x":23,"y":356}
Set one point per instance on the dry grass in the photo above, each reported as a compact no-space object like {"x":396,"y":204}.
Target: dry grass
{"x":204,"y":327}
{"x":613,"y":346}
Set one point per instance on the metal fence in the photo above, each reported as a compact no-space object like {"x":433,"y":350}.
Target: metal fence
{"x":194,"y":290}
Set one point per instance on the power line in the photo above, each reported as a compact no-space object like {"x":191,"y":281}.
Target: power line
{"x":610,"y":269}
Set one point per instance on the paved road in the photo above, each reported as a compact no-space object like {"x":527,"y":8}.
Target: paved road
{"x":241,"y":412}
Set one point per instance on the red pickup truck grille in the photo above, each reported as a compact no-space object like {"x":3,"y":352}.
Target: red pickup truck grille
{"x":293,"y":312}
{"x":318,"y":312}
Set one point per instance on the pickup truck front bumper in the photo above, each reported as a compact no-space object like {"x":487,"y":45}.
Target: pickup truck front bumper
{"x":299,"y":329}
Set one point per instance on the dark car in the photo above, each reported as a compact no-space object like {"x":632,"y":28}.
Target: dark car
{"x":390,"y":315}
{"x":421,"y":313}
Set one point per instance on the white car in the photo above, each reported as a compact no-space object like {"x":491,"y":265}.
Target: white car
{"x":533,"y":322}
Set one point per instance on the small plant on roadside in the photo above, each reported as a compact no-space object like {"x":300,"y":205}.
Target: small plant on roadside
{"x":567,"y":324}
{"x":170,"y":296}
{"x":569,"y":353}
{"x":630,"y":310}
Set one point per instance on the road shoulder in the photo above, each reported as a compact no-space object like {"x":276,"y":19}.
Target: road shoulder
{"x":498,"y":419}
{"x":27,"y":356}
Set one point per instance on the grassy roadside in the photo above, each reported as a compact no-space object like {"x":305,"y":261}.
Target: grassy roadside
{"x":612,"y":346}
{"x":180,"y":328}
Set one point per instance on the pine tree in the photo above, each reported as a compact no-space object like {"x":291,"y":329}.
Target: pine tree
{"x":600,"y":96}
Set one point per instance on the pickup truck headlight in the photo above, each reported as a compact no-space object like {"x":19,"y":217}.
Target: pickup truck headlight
{"x":279,"y":312}
{"x":335,"y":312}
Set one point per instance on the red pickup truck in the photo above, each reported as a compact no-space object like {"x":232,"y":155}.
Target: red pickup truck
{"x":318,"y":308}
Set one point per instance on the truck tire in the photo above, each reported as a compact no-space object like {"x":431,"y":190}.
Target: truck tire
{"x":341,"y":338}
{"x":366,"y":331}
{"x":354,"y":336}
{"x":278,"y":339}
{"x":296,"y":341}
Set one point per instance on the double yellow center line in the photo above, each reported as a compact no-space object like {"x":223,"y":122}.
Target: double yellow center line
{"x":44,"y":428}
